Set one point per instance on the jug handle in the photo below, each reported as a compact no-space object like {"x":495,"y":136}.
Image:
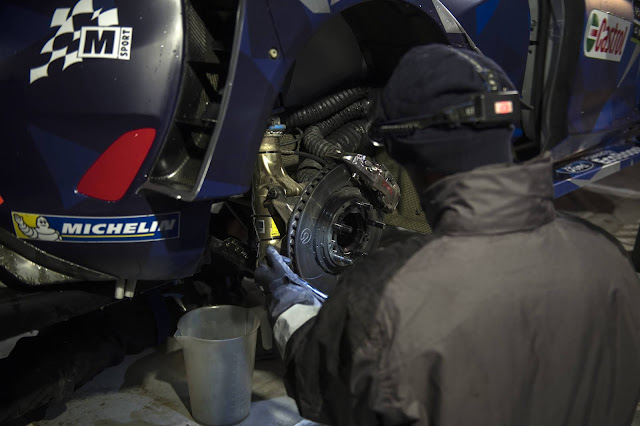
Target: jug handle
{"x":266,"y":333}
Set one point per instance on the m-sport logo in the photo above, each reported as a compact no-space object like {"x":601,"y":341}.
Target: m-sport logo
{"x":606,"y":36}
{"x":108,"y":43}
{"x":89,"y":30}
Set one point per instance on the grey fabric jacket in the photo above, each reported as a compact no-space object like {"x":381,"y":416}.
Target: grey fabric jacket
{"x":511,"y":314}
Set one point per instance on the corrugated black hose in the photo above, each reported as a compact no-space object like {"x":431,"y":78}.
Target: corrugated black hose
{"x":356,"y":110}
{"x":314,"y":137}
{"x":325,"y":107}
{"x":307,"y":170}
{"x":347,"y":138}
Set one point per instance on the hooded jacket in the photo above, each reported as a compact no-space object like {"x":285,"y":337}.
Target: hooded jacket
{"x":509,"y":314}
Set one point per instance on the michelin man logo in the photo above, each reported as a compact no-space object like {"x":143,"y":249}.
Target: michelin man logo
{"x":41,"y":231}
{"x":84,"y":32}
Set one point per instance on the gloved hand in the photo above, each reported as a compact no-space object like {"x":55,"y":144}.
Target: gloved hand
{"x":283,"y":287}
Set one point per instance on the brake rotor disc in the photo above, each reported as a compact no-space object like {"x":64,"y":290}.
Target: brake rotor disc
{"x":332,"y":226}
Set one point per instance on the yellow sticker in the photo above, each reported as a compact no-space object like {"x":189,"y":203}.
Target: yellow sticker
{"x":274,"y":229}
{"x":30,"y":226}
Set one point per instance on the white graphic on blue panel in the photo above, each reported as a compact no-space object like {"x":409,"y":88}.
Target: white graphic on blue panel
{"x":41,"y":231}
{"x":84,"y":32}
{"x":97,"y":229}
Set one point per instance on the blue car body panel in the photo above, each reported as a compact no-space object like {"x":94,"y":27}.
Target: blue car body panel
{"x":586,"y":169}
{"x":57,"y":125}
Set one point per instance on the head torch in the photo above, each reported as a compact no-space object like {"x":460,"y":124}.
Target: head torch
{"x":481,"y":110}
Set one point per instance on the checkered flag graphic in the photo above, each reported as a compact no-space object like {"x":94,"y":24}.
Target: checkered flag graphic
{"x":66,"y":19}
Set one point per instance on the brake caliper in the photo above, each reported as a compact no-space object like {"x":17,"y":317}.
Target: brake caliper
{"x":376,"y":177}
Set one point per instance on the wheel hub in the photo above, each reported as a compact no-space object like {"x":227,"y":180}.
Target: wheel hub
{"x":332,"y":226}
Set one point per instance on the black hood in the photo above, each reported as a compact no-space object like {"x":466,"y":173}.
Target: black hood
{"x":493,"y":199}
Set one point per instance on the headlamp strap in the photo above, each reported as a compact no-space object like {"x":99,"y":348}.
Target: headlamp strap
{"x":481,"y":110}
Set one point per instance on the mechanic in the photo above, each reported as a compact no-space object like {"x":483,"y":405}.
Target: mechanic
{"x":509,"y":314}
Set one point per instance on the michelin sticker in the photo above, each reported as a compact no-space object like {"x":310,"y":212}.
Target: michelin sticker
{"x":606,"y":36}
{"x":128,"y":229}
{"x":86,"y":31}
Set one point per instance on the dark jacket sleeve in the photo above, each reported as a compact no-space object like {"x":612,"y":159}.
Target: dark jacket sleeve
{"x":332,"y":361}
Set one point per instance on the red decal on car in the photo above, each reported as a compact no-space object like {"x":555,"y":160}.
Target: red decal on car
{"x":111,"y":175}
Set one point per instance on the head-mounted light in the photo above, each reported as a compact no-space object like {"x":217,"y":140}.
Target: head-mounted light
{"x":482,"y":110}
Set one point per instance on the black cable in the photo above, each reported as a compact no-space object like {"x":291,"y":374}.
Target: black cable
{"x":296,"y":141}
{"x":291,"y":142}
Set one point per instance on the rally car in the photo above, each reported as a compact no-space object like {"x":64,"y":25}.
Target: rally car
{"x":142,"y":139}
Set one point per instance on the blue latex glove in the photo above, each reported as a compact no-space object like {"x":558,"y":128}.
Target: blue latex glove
{"x":283,"y":287}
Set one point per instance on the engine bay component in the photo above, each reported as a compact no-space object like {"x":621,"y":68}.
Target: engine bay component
{"x":332,"y":213}
{"x":269,"y":180}
{"x":332,"y":226}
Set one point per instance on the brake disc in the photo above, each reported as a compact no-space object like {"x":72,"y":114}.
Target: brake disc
{"x":332,"y":226}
